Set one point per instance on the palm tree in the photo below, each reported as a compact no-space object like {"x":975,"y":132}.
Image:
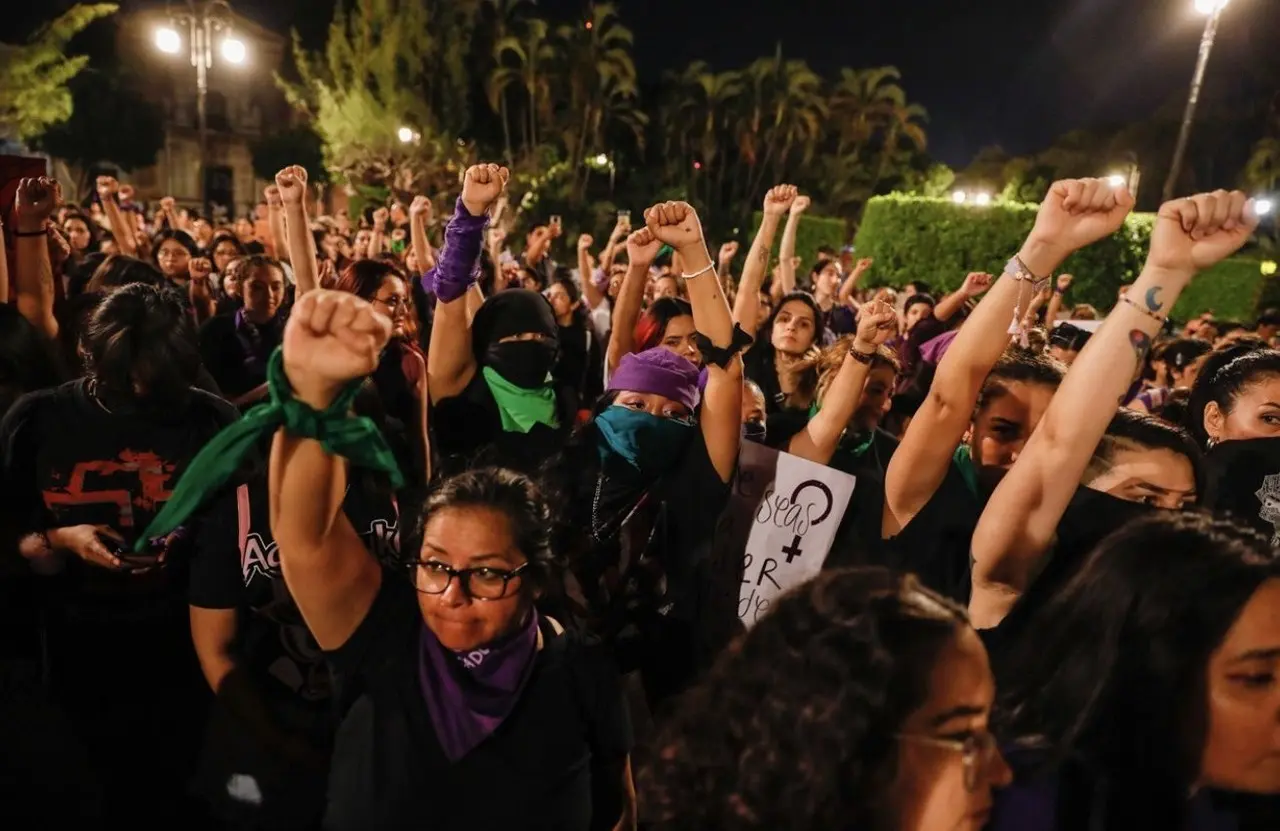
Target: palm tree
{"x":502,"y":76}
{"x":524,"y":60}
{"x":602,"y":86}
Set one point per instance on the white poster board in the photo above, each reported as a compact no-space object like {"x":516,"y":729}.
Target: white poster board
{"x":779,"y":525}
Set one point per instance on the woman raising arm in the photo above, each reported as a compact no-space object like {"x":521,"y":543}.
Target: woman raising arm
{"x":1019,"y":522}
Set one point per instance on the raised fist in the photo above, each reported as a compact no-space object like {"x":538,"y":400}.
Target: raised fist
{"x":1079,"y":212}
{"x":127,"y":192}
{"x":728,"y":251}
{"x":331,"y":338}
{"x":584,"y":242}
{"x":642,"y":248}
{"x":877,"y":322}
{"x":779,"y":199}
{"x":108,"y":187}
{"x":863,"y":264}
{"x":380,"y":217}
{"x":1199,"y":231}
{"x":36,"y":200}
{"x":674,"y":223}
{"x":420,"y":209}
{"x":800,"y":205}
{"x":1064,"y":282}
{"x":200,"y":268}
{"x":976,"y":283}
{"x":482,"y":185}
{"x":292,"y":184}
{"x":273,"y":197}
{"x":167,"y":203}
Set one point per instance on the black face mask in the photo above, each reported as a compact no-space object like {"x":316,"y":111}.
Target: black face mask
{"x":755,"y":431}
{"x":525,"y":363}
{"x":1092,"y":515}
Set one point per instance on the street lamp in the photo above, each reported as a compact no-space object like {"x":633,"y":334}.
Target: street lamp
{"x":982,"y":200}
{"x":405,"y":134}
{"x":202,"y":19}
{"x":959,"y":197}
{"x":1213,"y":9}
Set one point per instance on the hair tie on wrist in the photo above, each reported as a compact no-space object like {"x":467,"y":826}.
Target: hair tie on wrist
{"x":42,"y":232}
{"x":718,"y":356}
{"x":340,"y":433}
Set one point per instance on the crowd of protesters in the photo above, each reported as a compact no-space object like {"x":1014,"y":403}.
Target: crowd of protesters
{"x":390,"y":521}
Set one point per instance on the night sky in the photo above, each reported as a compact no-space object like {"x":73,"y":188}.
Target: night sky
{"x":1010,"y":72}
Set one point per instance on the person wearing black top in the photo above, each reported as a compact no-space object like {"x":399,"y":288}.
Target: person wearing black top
{"x":86,"y":466}
{"x":464,"y":706}
{"x":579,"y":368}
{"x":271,"y":729}
{"x":236,"y":347}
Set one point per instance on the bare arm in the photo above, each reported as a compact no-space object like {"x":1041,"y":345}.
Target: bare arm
{"x":123,"y":231}
{"x":818,"y":440}
{"x":33,"y":277}
{"x":676,"y":224}
{"x":277,"y":233}
{"x":850,"y":284}
{"x":787,"y":252}
{"x":292,"y":182}
{"x":1020,"y":521}
{"x":1055,"y":302}
{"x":419,"y":216}
{"x":591,"y":291}
{"x":331,"y":339}
{"x":642,"y":248}
{"x":746,"y":306}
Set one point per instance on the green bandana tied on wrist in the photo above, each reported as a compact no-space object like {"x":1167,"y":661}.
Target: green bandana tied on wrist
{"x":340,"y":434}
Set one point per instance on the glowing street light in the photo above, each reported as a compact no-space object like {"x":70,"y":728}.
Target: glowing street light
{"x":602,"y":159}
{"x":405,"y":135}
{"x":1213,"y":10}
{"x":168,"y":41}
{"x":233,"y":50}
{"x":1263,"y":207}
{"x":1268,"y":268}
{"x":959,"y":197}
{"x":982,"y":200}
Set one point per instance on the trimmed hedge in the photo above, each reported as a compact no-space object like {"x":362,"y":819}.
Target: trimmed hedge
{"x":812,"y":233}
{"x":940,"y":242}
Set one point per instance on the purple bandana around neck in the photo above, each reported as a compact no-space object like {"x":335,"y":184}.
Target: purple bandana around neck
{"x":469,"y":694}
{"x":257,"y":348}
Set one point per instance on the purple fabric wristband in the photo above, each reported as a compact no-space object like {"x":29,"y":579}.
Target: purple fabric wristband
{"x":601,"y":281}
{"x":458,"y":266}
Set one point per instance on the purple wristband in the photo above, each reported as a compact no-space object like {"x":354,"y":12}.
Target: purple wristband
{"x":458,"y":265}
{"x":601,"y":281}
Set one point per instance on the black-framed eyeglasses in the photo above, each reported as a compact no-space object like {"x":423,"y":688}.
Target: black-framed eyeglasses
{"x":394,"y":303}
{"x":976,"y":752}
{"x":483,"y":583}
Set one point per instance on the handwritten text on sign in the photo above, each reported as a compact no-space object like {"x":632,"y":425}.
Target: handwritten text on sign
{"x":789,"y":510}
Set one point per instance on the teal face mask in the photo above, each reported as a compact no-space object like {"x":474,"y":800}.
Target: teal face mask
{"x":648,"y":442}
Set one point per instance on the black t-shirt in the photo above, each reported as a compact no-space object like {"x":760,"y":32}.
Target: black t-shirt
{"x":579,"y":369}
{"x":467,"y":430}
{"x":68,"y":461}
{"x":229,"y":571}
{"x":229,"y":353}
{"x":535,"y":771}
{"x":935,"y":544}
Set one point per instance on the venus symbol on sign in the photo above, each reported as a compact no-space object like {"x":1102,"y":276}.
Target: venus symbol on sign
{"x":793,"y":550}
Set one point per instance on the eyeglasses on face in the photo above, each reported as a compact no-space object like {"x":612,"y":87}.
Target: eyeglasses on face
{"x":431,"y":577}
{"x":976,"y":751}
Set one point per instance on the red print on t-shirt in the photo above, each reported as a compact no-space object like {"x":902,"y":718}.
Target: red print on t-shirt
{"x":132,"y":480}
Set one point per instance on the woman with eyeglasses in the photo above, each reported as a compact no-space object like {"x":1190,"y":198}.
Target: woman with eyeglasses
{"x":860,"y":701}
{"x":490,"y":374}
{"x":401,"y":376}
{"x":465,"y":707}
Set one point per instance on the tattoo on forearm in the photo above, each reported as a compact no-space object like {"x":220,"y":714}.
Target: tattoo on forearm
{"x":1141,"y":343}
{"x":1152,"y":300}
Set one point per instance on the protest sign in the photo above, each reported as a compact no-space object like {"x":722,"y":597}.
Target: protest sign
{"x":778,"y":527}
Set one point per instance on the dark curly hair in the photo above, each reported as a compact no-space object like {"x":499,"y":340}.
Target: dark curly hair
{"x":794,"y":725}
{"x":512,"y":494}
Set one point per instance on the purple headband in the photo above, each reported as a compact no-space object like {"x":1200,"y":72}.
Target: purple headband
{"x":660,"y":372}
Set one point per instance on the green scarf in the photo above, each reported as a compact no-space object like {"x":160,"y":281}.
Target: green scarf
{"x":963,"y":460}
{"x":521,"y":409}
{"x":338,"y":431}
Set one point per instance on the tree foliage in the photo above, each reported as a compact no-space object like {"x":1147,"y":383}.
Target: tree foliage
{"x":560,"y":101}
{"x":293,"y":145}
{"x":34,"y":75}
{"x":110,"y":121}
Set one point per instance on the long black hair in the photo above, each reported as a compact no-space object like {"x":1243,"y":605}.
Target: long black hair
{"x":1110,"y":675}
{"x":1226,"y":372}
